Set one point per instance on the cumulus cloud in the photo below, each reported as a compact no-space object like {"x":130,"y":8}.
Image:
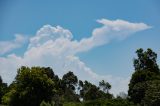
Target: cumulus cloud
{"x":7,"y":46}
{"x":54,"y":47}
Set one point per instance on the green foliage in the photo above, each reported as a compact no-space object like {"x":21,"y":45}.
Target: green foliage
{"x":8,"y":96}
{"x":102,"y":102}
{"x":137,"y":86}
{"x":152,"y":94}
{"x":72,"y":104}
{"x":3,"y":87}
{"x":137,"y":93}
{"x":146,"y":70}
{"x":31,"y":86}
{"x":92,"y":92}
{"x":89,"y":91}
{"x":105,"y":86}
{"x":146,"y":60}
{"x":69,"y":82}
{"x":109,"y":102}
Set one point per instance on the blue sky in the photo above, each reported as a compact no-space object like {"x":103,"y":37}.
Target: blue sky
{"x":26,"y":17}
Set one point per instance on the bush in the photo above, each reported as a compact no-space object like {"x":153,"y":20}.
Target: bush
{"x":101,"y":102}
{"x":72,"y":104}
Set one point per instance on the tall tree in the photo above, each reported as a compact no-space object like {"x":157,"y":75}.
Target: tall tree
{"x":90,"y":91}
{"x":146,"y":69}
{"x":70,"y":80}
{"x":105,"y":86}
{"x":146,"y":60}
{"x":69,"y":83}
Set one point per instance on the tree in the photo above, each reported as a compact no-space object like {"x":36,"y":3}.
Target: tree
{"x":137,"y":85}
{"x":70,"y":80}
{"x":85,"y":88}
{"x":69,"y":83}
{"x":146,"y":60}
{"x":105,"y":86}
{"x":146,"y":69}
{"x":90,"y":91}
{"x":80,"y":87}
{"x":31,"y":87}
{"x":3,"y":87}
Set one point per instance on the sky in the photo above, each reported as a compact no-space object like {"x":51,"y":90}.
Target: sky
{"x":96,"y":39}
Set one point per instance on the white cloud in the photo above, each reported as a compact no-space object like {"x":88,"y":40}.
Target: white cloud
{"x":117,"y":29}
{"x":7,"y":46}
{"x":47,"y":32}
{"x":54,"y":47}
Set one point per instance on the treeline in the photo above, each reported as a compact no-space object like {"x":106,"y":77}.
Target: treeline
{"x":39,"y":86}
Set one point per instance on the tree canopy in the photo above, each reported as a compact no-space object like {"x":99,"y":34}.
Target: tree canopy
{"x":146,"y":73}
{"x":31,"y":87}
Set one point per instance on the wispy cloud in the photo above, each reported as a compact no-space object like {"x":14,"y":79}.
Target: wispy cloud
{"x":7,"y":46}
{"x":54,"y":47}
